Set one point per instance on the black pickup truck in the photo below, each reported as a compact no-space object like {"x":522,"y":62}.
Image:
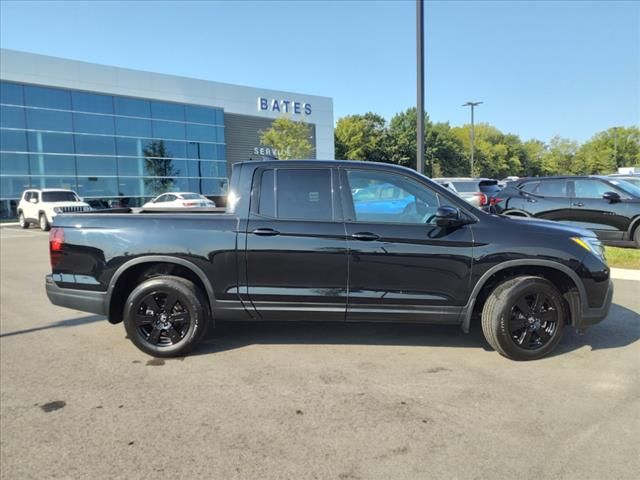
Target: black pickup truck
{"x":307,"y":240}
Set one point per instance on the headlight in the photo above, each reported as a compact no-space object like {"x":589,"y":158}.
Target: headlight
{"x":87,"y":209}
{"x":591,"y":244}
{"x":57,"y":209}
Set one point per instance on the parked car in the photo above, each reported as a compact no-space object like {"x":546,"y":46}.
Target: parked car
{"x":608,"y":206}
{"x":479,"y":192}
{"x":632,"y":179}
{"x":381,"y":200}
{"x":294,"y":244}
{"x":42,"y":206}
{"x":180,"y":200}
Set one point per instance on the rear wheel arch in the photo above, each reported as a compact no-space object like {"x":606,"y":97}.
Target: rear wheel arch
{"x":561,"y":276}
{"x":516,"y":213}
{"x":132,"y":273}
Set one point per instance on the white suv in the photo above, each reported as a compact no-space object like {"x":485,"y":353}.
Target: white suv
{"x":41,"y":206}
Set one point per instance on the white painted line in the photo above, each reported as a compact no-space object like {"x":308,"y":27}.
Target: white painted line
{"x":9,"y":224}
{"x":625,"y":274}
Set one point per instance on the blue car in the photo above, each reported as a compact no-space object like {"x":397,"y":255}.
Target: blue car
{"x":379,"y":201}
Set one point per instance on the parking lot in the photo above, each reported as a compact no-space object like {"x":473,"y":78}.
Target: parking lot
{"x":343,"y":401}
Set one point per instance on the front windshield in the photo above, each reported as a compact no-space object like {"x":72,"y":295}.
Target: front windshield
{"x":627,"y":187}
{"x":59,"y":197}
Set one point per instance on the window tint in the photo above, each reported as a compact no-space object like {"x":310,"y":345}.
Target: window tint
{"x":38,"y":119}
{"x":93,"y":144}
{"x":167,"y":111}
{"x":168,"y":130}
{"x":530,"y":187}
{"x":47,"y":97}
{"x":42,"y":164}
{"x":13,"y":141}
{"x":132,"y":106}
{"x":390,"y":198}
{"x":201,"y":133}
{"x":586,"y":188}
{"x":59,"y":197}
{"x":92,"y":102}
{"x":50,"y":142}
{"x":304,"y":193}
{"x":467,"y":187}
{"x":11,"y":93}
{"x":12,"y":117}
{"x":266,"y":204}
{"x":88,"y":123}
{"x":14,"y":163}
{"x":200,"y":114}
{"x":133,"y":127}
{"x":554,"y":188}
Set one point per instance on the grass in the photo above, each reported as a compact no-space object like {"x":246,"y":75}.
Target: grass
{"x":623,"y":257}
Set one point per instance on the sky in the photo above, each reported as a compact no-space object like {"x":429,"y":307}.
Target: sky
{"x":541,"y":68}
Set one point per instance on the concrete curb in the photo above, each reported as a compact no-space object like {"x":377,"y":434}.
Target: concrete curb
{"x":625,"y":274}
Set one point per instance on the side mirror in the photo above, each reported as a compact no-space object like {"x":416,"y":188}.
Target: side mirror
{"x":613,"y":197}
{"x":447,"y":216}
{"x":33,"y":200}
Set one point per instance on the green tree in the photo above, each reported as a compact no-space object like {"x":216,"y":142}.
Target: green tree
{"x":443,"y":150}
{"x":559,"y":158}
{"x":159,"y":164}
{"x":361,"y":137}
{"x":608,"y":150}
{"x":290,"y":139}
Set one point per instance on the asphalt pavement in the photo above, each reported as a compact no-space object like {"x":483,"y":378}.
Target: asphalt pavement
{"x":306,"y":401}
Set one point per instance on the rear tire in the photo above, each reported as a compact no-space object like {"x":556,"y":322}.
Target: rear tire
{"x":636,"y":236}
{"x":44,"y":223}
{"x":22,"y":221}
{"x":166,"y":316}
{"x":523,"y":318}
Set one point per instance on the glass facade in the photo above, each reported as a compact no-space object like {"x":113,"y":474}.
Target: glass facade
{"x":106,"y":147}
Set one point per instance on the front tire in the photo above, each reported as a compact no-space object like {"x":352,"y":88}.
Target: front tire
{"x":636,"y":236}
{"x":22,"y":221}
{"x":44,"y":223}
{"x":166,"y":316}
{"x":523,"y":318}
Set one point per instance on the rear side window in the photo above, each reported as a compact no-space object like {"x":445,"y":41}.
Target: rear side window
{"x":304,"y":194}
{"x":489,"y":186}
{"x":299,"y":194}
{"x":555,"y":188}
{"x":466,"y":187}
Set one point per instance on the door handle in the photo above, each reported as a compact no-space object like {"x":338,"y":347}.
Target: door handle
{"x":531,"y":200}
{"x":578,"y":204}
{"x":365,"y":236}
{"x":266,"y":232}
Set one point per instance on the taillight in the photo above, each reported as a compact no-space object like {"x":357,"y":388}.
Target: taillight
{"x":189,"y":204}
{"x":482,"y":198}
{"x":56,"y":243}
{"x":495,"y":201}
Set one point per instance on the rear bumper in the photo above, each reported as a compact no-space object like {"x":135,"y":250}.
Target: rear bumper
{"x":591,"y":316}
{"x":83,"y":300}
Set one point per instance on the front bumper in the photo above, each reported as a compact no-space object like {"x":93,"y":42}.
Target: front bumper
{"x":83,"y":300}
{"x":591,"y":316}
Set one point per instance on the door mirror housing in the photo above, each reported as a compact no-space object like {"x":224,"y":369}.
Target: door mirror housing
{"x":613,"y":197}
{"x":447,"y":216}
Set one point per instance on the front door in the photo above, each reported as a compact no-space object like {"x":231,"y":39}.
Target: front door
{"x":589,"y":210}
{"x":296,"y":249}
{"x":402,"y":267}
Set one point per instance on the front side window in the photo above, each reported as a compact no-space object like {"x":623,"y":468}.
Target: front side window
{"x":382,"y":197}
{"x":586,"y":188}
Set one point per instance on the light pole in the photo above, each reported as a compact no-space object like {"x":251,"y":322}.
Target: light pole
{"x":473,"y":135}
{"x":420,"y":82}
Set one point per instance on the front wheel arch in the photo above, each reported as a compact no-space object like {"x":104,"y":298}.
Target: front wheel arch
{"x":561,"y":276}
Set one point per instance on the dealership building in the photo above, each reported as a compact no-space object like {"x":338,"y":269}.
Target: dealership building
{"x":115,"y":134}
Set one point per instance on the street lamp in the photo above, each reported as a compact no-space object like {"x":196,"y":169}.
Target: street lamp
{"x":473,"y":136}
{"x":420,"y":82}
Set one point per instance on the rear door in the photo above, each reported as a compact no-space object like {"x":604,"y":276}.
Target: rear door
{"x":402,"y":267}
{"x":589,"y":210}
{"x":296,"y":249}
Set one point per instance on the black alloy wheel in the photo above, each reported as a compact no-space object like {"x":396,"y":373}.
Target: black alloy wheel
{"x":523,"y":318}
{"x":166,"y":316}
{"x":162,"y":319}
{"x":533,"y":320}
